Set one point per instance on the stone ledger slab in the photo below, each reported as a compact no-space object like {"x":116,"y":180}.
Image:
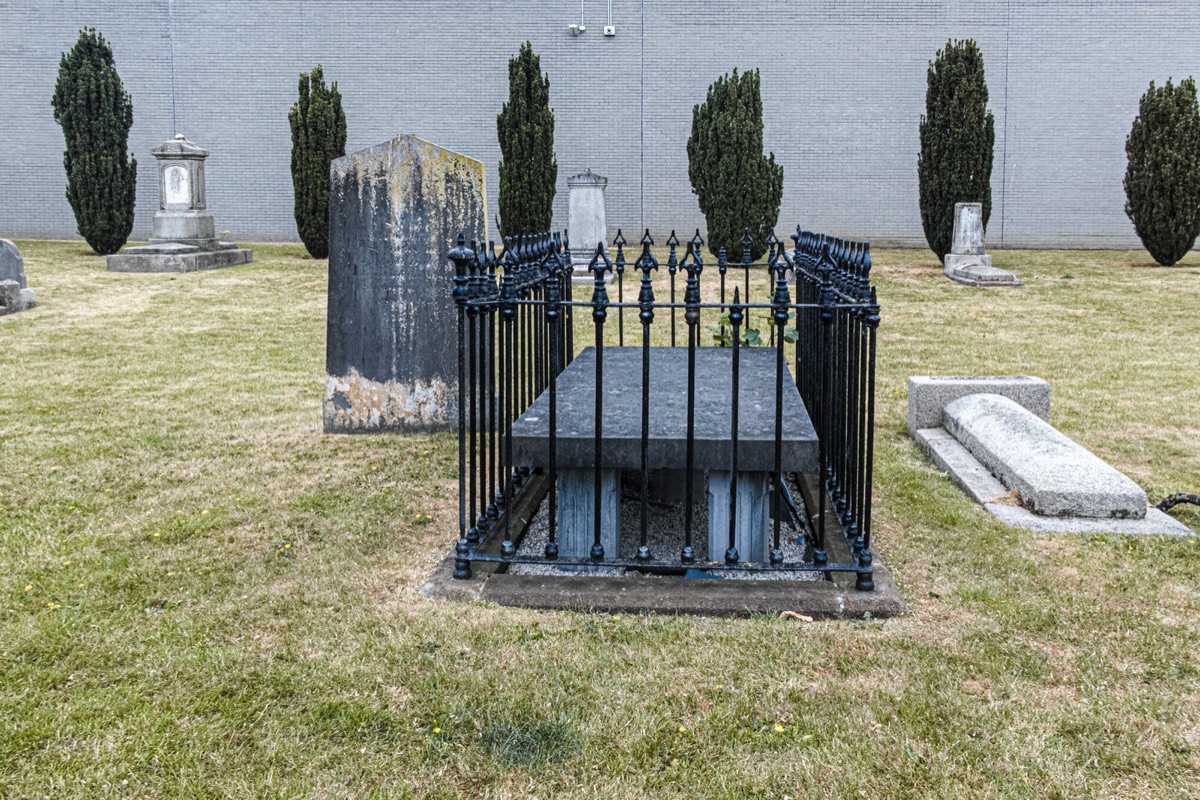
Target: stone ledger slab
{"x":1053,"y":474}
{"x":391,"y":360}
{"x":667,"y":448}
{"x":929,"y":394}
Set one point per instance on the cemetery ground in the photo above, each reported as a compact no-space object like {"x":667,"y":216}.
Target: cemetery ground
{"x":201,"y":595}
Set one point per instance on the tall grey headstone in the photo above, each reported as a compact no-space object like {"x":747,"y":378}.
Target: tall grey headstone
{"x":391,"y":358}
{"x":14,"y":292}
{"x":184,"y":237}
{"x":967,"y":262}
{"x":12,"y":266}
{"x":587,"y":226}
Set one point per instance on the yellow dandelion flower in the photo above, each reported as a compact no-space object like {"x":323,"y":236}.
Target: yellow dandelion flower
{"x":157,"y":535}
{"x":674,"y":762}
{"x":203,"y":512}
{"x":778,"y":728}
{"x":287,"y":546}
{"x":169,"y":574}
{"x":29,"y":587}
{"x":437,"y":731}
{"x":682,"y":729}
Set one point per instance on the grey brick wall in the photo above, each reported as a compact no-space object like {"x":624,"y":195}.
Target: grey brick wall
{"x":843,"y":89}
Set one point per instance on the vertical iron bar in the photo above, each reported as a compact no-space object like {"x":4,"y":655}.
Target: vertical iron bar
{"x":865,"y":580}
{"x":462,"y":548}
{"x":599,"y":265}
{"x":735,"y":322}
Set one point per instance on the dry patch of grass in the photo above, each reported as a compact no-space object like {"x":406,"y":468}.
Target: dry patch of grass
{"x":203,"y":595}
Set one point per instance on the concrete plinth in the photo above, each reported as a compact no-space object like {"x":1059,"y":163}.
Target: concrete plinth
{"x":753,"y":515}
{"x":577,"y":508}
{"x":178,"y":257}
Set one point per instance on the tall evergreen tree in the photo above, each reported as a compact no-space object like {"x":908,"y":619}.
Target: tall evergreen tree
{"x":1162,"y":180}
{"x":95,"y":112}
{"x":528,"y":169}
{"x":738,"y":188}
{"x":318,"y":137}
{"x":957,"y":138}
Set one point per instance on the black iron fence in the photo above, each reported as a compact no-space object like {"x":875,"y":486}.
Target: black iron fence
{"x":516,"y":329}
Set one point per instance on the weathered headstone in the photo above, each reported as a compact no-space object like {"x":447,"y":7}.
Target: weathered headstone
{"x":12,"y":266}
{"x":587,"y":226}
{"x":184,"y":236}
{"x":967,"y":262}
{"x":391,"y":348}
{"x":14,"y":294}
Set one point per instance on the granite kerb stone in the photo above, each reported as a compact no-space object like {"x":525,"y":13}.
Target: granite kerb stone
{"x":928,"y":395}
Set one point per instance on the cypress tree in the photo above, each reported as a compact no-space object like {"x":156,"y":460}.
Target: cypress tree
{"x":957,"y":138}
{"x":318,"y":137}
{"x":738,"y":188}
{"x":1162,"y":180}
{"x":95,"y":112}
{"x":528,"y":169}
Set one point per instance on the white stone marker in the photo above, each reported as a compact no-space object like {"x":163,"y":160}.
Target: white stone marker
{"x":587,"y":226}
{"x":967,"y":262}
{"x":1052,"y":473}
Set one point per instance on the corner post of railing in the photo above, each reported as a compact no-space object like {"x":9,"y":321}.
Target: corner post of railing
{"x":865,"y":581}
{"x":508,"y":388}
{"x":780,"y":304}
{"x":824,"y":422}
{"x":646,"y":264}
{"x":553,"y":322}
{"x":461,"y":256}
{"x":494,"y":388}
{"x":599,"y":266}
{"x":795,"y":237}
{"x":735,"y":322}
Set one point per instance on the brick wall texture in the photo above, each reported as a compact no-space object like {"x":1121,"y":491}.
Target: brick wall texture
{"x":843,"y":90}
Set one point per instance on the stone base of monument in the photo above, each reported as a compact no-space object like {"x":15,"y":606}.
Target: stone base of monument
{"x":13,"y":298}
{"x":178,"y":257}
{"x":581,"y":276}
{"x":818,"y":595}
{"x":1029,"y":475}
{"x":976,"y":270}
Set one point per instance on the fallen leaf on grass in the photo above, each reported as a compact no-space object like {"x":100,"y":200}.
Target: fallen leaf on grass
{"x":795,"y":615}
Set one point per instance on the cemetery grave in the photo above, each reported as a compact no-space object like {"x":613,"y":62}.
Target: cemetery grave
{"x":992,"y":436}
{"x":184,"y":237}
{"x":779,"y":436}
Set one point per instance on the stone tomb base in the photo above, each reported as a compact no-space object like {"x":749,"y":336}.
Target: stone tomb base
{"x":177,"y":257}
{"x":977,"y":271}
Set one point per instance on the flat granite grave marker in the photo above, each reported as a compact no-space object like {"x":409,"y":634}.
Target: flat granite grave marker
{"x":184,"y":236}
{"x":391,"y":347}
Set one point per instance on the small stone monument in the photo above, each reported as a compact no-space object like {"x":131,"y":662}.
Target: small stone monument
{"x":184,"y":238}
{"x":14,"y":294}
{"x":391,"y":358}
{"x":586,"y":223}
{"x":967,"y":262}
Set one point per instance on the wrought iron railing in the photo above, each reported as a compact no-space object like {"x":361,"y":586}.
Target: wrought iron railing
{"x":516,"y":334}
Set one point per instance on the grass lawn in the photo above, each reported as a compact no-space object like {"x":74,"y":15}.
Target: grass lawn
{"x":201,"y":595}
